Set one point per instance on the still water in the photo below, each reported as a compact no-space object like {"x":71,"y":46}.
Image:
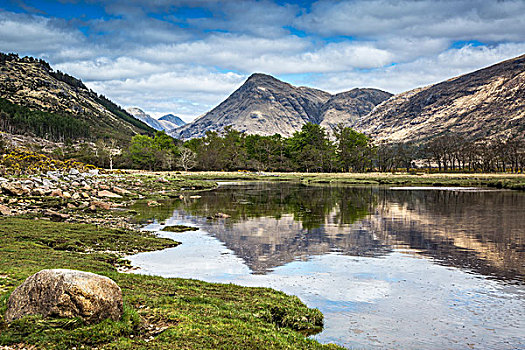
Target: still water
{"x":422,"y":268}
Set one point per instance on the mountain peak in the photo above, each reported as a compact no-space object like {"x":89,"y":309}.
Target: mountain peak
{"x":265,"y":105}
{"x":173,"y":119}
{"x":260,"y":76}
{"x":135,"y":111}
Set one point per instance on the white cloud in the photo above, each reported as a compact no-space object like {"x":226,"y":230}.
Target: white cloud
{"x":168,"y":63}
{"x":423,"y":71}
{"x":454,"y":20}
{"x":26,"y":33}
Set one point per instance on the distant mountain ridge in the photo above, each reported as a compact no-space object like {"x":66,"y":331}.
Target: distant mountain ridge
{"x":262,"y":105}
{"x":173,"y":119}
{"x":348,"y":107}
{"x":265,"y":105}
{"x":145,"y":118}
{"x":167,"y":122}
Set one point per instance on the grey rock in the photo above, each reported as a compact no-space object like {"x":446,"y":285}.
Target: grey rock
{"x":73,"y":171}
{"x":14,"y":189}
{"x":66,"y":293}
{"x":55,"y":216}
{"x":4,"y":210}
{"x":38,"y":191}
{"x":108,"y":194}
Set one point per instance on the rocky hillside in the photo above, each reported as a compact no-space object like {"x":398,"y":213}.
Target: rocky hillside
{"x":262,"y":105}
{"x":36,"y":100}
{"x":347,"y":107}
{"x":486,"y":103}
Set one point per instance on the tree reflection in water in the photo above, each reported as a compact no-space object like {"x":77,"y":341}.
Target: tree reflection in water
{"x":272,"y":224}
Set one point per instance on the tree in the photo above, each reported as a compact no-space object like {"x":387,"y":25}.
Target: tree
{"x":354,"y":150}
{"x":142,"y":152}
{"x":187,"y":159}
{"x":310,"y":149}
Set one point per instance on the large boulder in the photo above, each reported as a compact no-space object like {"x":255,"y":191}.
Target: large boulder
{"x":66,"y":293}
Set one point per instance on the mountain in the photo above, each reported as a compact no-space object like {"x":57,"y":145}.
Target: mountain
{"x":262,"y":105}
{"x":489,"y":102}
{"x":36,"y":100}
{"x":167,"y":122}
{"x":145,"y":118}
{"x":172,"y":120}
{"x":347,"y":107}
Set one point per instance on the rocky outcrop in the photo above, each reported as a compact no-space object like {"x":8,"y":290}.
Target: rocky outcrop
{"x":486,"y":103}
{"x":66,"y":293}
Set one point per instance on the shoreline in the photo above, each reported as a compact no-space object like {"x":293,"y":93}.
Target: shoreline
{"x":495,"y":180}
{"x":174,"y":312}
{"x":98,"y":239}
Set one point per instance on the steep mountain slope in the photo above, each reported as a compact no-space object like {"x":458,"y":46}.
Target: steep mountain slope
{"x":54,"y":104}
{"x":145,"y":118}
{"x":262,"y":105}
{"x":486,"y":103}
{"x":171,"y":121}
{"x":347,"y":107}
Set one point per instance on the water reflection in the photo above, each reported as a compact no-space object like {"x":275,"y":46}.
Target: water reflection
{"x":421,"y":269}
{"x":271,"y":225}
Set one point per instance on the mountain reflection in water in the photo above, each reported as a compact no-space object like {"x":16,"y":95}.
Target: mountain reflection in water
{"x":272,"y":224}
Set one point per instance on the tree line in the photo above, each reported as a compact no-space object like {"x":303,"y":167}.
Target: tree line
{"x":312,"y":150}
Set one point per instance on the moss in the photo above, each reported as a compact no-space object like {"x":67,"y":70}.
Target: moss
{"x":179,"y":228}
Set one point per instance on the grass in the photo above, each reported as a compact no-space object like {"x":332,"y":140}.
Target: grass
{"x":159,"y":313}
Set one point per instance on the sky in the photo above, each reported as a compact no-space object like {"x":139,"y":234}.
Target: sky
{"x":185,"y":57}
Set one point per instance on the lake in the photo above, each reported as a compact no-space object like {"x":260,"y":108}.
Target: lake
{"x":420,"y":268}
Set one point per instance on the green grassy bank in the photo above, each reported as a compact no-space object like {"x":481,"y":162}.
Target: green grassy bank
{"x":506,"y":181}
{"x":159,"y":313}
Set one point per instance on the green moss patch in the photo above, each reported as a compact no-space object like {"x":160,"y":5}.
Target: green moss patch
{"x":179,"y":228}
